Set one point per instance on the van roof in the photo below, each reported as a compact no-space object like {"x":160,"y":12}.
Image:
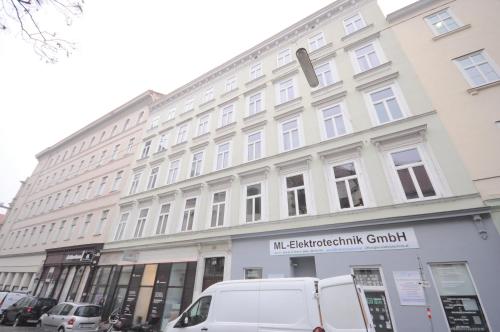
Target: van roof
{"x":270,"y":280}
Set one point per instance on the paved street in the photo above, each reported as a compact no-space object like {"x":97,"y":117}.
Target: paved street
{"x":5,"y":328}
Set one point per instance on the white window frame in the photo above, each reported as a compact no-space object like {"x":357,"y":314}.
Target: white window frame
{"x":492,"y":64}
{"x":100,"y":189}
{"x":189,"y":105}
{"x":203,"y":125}
{"x":346,"y":119}
{"x":173,"y":173}
{"x":229,"y":112}
{"x":85,"y":226}
{"x":255,"y":71}
{"x":297,"y":118}
{"x":162,"y":142}
{"x":182,"y":133}
{"x":134,"y":183}
{"x":263,"y":202}
{"x":294,"y":91}
{"x":162,"y":222}
{"x":333,"y":72}
{"x":195,"y":215}
{"x":140,"y":226}
{"x":262,"y":145}
{"x":171,"y":113}
{"x":316,"y":41}
{"x":122,"y":224}
{"x":114,"y":154}
{"x":231,"y":84}
{"x":146,"y":148}
{"x":450,"y":14}
{"x":284,"y":196}
{"x":153,"y":178}
{"x":378,"y":51}
{"x":211,"y":206}
{"x":226,"y":162}
{"x":155,"y":122}
{"x":396,"y":90}
{"x":102,"y":221}
{"x":284,"y":57}
{"x":249,"y":103}
{"x":347,"y":21}
{"x":196,"y":168}
{"x":130,"y":145}
{"x":208,"y":95}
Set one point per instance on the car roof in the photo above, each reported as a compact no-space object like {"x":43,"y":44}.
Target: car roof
{"x":80,"y":304}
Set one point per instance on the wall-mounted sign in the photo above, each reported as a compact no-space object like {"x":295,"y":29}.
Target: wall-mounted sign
{"x":130,"y":256}
{"x":410,"y":289}
{"x":72,"y":257}
{"x":401,"y":238}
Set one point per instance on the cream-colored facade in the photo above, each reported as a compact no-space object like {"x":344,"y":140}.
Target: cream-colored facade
{"x":468,"y":109}
{"x":70,"y":198}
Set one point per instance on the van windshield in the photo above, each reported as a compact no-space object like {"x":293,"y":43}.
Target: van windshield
{"x":88,"y":311}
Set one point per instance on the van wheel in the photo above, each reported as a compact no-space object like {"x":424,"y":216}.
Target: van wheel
{"x":39,"y":324}
{"x":61,"y":329}
{"x":17,"y":322}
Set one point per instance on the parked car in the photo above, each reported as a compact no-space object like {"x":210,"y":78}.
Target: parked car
{"x":75,"y":317}
{"x":7,"y":299}
{"x":27,"y":310}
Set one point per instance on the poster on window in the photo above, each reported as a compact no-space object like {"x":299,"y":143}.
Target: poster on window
{"x":409,"y":287}
{"x":464,"y":313}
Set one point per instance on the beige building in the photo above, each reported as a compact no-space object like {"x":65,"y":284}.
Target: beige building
{"x":455,"y":50}
{"x":60,"y":217}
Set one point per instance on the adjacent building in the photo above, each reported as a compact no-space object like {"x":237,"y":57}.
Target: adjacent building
{"x":59,"y":219}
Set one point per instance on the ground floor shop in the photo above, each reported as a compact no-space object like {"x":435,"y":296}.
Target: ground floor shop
{"x":432,"y":275}
{"x":20,"y":272}
{"x":66,"y":272}
{"x":156,"y":285}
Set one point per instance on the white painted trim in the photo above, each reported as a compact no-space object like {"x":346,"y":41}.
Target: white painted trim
{"x":345,"y":114}
{"x":263,"y":144}
{"x":297,"y":117}
{"x":398,"y":93}
{"x":378,"y":50}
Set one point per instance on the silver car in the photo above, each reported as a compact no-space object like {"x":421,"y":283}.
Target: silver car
{"x":75,"y":317}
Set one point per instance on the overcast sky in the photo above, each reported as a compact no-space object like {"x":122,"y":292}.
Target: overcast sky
{"x":124,"y":48}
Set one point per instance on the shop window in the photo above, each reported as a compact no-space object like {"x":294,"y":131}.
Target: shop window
{"x":459,"y":297}
{"x":214,"y":271}
{"x":99,"y":284}
{"x":77,"y":279}
{"x":375,"y":298}
{"x":121,"y":289}
{"x":145,"y":292}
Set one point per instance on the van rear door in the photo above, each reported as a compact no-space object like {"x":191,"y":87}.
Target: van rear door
{"x":340,"y":306}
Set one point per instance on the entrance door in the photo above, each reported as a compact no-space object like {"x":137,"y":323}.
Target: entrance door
{"x":214,"y":271}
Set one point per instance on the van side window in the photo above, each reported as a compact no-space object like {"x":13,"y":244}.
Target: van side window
{"x":198,"y":313}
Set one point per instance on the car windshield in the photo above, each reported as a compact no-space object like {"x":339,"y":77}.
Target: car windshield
{"x":88,"y":311}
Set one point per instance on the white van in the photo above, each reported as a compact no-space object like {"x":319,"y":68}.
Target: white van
{"x":277,"y":305}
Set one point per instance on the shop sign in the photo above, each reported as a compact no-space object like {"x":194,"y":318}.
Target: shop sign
{"x":130,"y":256}
{"x":73,"y":257}
{"x":401,"y":238}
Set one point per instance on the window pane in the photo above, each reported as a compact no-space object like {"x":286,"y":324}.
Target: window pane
{"x":475,"y":76}
{"x":294,"y":181}
{"x":407,"y":183}
{"x":221,"y":215}
{"x":249,"y":210}
{"x":394,"y":108}
{"x":253,"y":189}
{"x":423,"y":181}
{"x":301,"y":193}
{"x":488,"y":71}
{"x":373,"y":59}
{"x":406,"y":157}
{"x":344,"y":170}
{"x":339,"y":122}
{"x":382,"y":115}
{"x":342,"y":192}
{"x":357,"y":200}
{"x":383,"y":94}
{"x":291,"y":203}
{"x":257,"y":208}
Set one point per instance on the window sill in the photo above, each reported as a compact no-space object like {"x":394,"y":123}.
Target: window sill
{"x":178,"y":145}
{"x":206,"y":103}
{"x":373,"y":70}
{"x":320,"y":49}
{"x":226,"y":127}
{"x":462,"y":28}
{"x":254,"y":116}
{"x":288,"y":103}
{"x":201,"y":136}
{"x":227,"y":93}
{"x":354,"y":33}
{"x":261,"y":77}
{"x":327,"y":88}
{"x":475,"y":90}
{"x":284,"y":67}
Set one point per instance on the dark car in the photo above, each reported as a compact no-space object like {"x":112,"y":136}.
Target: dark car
{"x":27,"y":310}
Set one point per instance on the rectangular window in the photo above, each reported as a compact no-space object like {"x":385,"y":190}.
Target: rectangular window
{"x":173,"y":170}
{"x":223,"y":151}
{"x":254,"y":146}
{"x":135,"y":183}
{"x":49,"y":232}
{"x":102,"y":222}
{"x":253,"y":273}
{"x":189,"y":105}
{"x":188,"y":215}
{"x":255,"y":71}
{"x":478,"y":69}
{"x":71,"y":229}
{"x":203,"y":125}
{"x":88,"y":194}
{"x":59,"y":231}
{"x":386,"y":105}
{"x":196,"y":164}
{"x":324,"y":74}
{"x":42,"y":235}
{"x":284,"y":57}
{"x":334,"y":123}
{"x":161,"y":227}
{"x":208,"y":95}
{"x":117,"y":182}
{"x":114,"y":154}
{"x":459,"y":298}
{"x":353,"y":23}
{"x":171,"y":114}
{"x":155,"y":122}
{"x":218,"y":209}
{"x":101,"y":160}
{"x":230,"y":84}
{"x":85,"y":226}
{"x":121,"y":226}
{"x":66,"y":198}
{"x":290,"y":135}
{"x":162,"y":143}
{"x":286,"y":91}
{"x":102,"y":185}
{"x":255,"y":104}
{"x":152,"y":178}
{"x":442,"y":22}
{"x":141,"y":222}
{"x":130,"y":145}
{"x":182,"y":133}
{"x":347,"y":186}
{"x":316,"y":41}
{"x":145,"y":149}
{"x":226,"y":115}
{"x":412,"y":174}
{"x":253,"y":202}
{"x":367,"y":57}
{"x":296,"y":195}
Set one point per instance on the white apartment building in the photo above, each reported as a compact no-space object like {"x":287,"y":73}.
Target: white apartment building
{"x":60,"y":217}
{"x":247,"y":172}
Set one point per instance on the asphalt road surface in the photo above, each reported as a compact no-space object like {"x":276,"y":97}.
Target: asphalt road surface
{"x":5,"y":328}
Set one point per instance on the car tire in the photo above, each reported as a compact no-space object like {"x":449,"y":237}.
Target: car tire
{"x":61,"y":329}
{"x":17,"y":321}
{"x":39,"y":324}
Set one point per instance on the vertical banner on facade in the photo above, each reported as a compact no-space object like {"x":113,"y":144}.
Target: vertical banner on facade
{"x":401,"y":238}
{"x":409,"y":287}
